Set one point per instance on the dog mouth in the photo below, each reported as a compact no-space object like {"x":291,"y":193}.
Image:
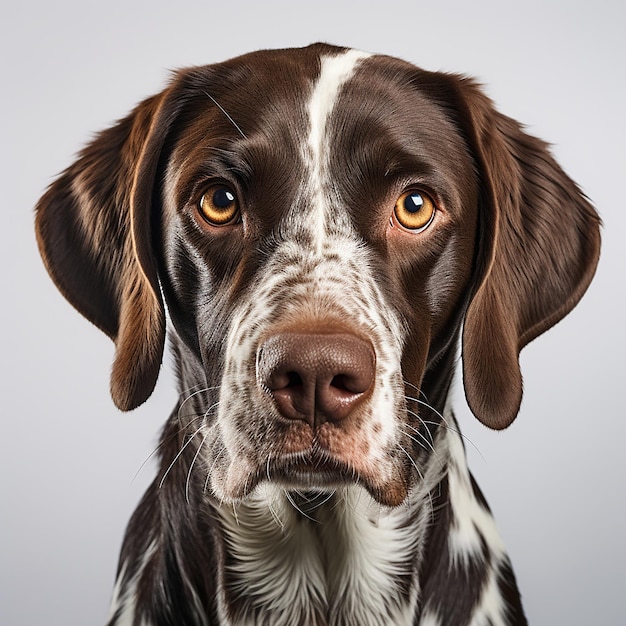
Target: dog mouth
{"x":296,"y":456}
{"x":314,"y":469}
{"x":317,"y":471}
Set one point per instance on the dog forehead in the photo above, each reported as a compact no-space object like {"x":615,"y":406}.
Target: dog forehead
{"x":276,"y":118}
{"x":280,"y":94}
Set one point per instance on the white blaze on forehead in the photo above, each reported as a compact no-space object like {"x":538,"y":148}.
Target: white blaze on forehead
{"x":335,"y":71}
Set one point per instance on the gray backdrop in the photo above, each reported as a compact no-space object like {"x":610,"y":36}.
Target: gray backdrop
{"x":72,"y":471}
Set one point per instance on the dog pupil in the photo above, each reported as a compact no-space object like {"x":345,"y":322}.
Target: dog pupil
{"x":413,"y":203}
{"x":223,"y":198}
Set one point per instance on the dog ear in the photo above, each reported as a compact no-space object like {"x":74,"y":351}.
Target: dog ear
{"x":538,"y":250}
{"x":93,"y":231}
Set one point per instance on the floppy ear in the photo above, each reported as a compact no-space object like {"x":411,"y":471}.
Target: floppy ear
{"x":538,"y":250}
{"x":93,"y":231}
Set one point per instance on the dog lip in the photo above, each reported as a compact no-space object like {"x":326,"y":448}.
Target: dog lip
{"x":310,"y":463}
{"x":311,"y":469}
{"x":317,"y":470}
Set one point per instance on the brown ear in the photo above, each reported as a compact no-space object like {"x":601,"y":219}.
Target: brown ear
{"x":538,"y":250}
{"x":93,"y":230}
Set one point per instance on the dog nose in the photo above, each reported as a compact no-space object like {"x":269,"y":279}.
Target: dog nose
{"x":316,"y":377}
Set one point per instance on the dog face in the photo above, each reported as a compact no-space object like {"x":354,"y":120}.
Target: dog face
{"x":316,"y":245}
{"x":321,"y":223}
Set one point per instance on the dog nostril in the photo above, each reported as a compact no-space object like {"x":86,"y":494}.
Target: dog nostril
{"x":293,"y":379}
{"x":340,"y":382}
{"x":316,"y":377}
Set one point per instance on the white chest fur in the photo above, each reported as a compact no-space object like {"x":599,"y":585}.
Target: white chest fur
{"x":341,"y":559}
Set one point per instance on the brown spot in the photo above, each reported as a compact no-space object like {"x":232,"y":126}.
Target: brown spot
{"x":392,"y":494}
{"x":297,"y":436}
{"x":347,"y":444}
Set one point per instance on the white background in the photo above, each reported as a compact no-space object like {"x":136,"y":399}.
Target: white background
{"x":70,"y":472}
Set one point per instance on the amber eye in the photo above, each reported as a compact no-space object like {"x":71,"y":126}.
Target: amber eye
{"x":415,"y":211}
{"x":219,"y":206}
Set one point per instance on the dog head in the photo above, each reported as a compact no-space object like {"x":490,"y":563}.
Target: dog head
{"x":321,"y":224}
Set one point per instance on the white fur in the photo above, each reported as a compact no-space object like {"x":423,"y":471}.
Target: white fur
{"x":490,"y":610}
{"x":125,"y":591}
{"x":471,"y":522}
{"x":287,"y":565}
{"x":430,"y":619}
{"x":471,"y":519}
{"x":334,"y":72}
{"x":345,"y":558}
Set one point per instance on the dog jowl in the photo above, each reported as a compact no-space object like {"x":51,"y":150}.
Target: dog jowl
{"x":323,"y":227}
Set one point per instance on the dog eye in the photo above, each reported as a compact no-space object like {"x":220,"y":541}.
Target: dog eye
{"x":415,"y":211}
{"x":219,"y":206}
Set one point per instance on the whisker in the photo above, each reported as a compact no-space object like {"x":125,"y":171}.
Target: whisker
{"x":426,"y":403}
{"x":331,"y":493}
{"x":195,"y":457}
{"x":275,"y":516}
{"x":235,"y":514}
{"x":230,"y":119}
{"x":194,"y":389}
{"x":267,"y":466}
{"x":428,"y":406}
{"x":213,"y":406}
{"x":313,"y":498}
{"x":446,"y":423}
{"x":413,"y":463}
{"x":296,"y":507}
{"x":425,"y":444}
{"x":162,"y":443}
{"x":210,"y":470}
{"x":410,"y":384}
{"x":429,"y":441}
{"x":167,"y":471}
{"x":456,"y":431}
{"x":193,"y":395}
{"x":147,"y":459}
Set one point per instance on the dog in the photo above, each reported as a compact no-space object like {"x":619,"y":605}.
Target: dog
{"x":324,"y":228}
